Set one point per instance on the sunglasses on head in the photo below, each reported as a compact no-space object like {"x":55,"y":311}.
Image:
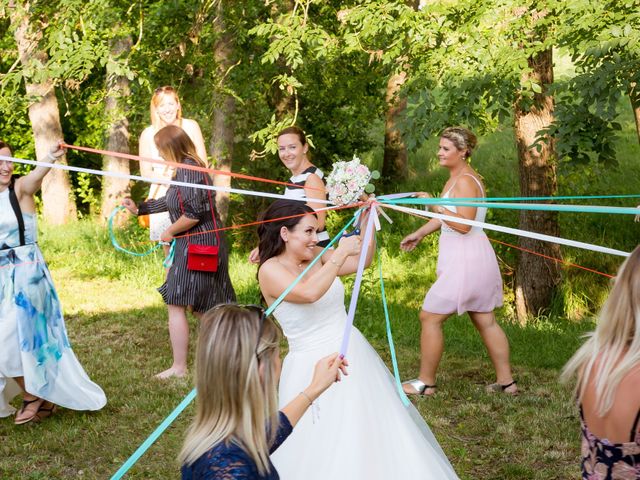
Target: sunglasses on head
{"x":261,"y":315}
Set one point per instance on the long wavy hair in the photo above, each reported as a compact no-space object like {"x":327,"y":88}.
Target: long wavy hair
{"x":156,"y":98}
{"x":174,"y":145}
{"x":271,"y":243}
{"x":236,"y":382}
{"x":613,"y":349}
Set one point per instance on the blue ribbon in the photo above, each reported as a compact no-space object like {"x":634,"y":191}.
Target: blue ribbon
{"x":115,"y":243}
{"x":131,"y":461}
{"x":514,"y":206}
{"x":392,"y":349}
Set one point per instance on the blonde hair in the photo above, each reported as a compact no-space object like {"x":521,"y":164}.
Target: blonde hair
{"x":462,"y":138}
{"x":156,"y":98}
{"x":613,"y":349}
{"x":174,"y":145}
{"x":235,"y":380}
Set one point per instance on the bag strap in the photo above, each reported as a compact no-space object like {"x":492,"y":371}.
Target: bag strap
{"x":213,"y":213}
{"x":15,"y":205}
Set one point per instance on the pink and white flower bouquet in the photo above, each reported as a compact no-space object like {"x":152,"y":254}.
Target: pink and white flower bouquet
{"x":349,"y":180}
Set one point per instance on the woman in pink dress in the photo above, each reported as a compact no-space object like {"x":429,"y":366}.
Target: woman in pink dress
{"x":468,"y":275}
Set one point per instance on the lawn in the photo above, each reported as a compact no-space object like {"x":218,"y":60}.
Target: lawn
{"x":117,"y":325}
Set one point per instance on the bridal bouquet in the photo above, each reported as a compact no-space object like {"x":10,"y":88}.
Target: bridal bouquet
{"x":349,"y":180}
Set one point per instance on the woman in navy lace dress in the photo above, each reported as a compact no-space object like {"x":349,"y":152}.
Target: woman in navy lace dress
{"x":608,"y":387}
{"x":237,"y":423}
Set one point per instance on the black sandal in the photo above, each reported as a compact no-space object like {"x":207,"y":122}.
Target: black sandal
{"x":498,"y":387}
{"x":45,"y":412}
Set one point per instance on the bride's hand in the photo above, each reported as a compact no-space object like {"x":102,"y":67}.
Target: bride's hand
{"x":349,"y":246}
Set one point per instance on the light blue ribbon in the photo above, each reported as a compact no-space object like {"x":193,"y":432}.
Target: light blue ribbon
{"x":392,"y":349}
{"x":131,"y":461}
{"x":115,"y":243}
{"x":514,"y":206}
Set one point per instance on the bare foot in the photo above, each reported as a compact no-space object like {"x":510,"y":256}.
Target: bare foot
{"x":172,"y":372}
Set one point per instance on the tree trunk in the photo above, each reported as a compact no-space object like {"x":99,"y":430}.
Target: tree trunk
{"x":634,"y":97}
{"x":395,"y":161}
{"x":222,"y":132}
{"x":113,"y":189}
{"x":394,"y":164}
{"x":284,"y":101}
{"x":536,"y":277}
{"x":58,"y":204}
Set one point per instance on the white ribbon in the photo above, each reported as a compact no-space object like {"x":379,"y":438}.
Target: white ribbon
{"x":156,"y":180}
{"x":511,"y":231}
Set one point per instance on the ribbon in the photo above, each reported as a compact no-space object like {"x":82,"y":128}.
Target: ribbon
{"x":138,"y":158}
{"x":392,"y":349}
{"x":115,"y":243}
{"x":368,"y":233}
{"x":511,"y":231}
{"x":60,"y":166}
{"x":516,"y":206}
{"x":166,"y":423}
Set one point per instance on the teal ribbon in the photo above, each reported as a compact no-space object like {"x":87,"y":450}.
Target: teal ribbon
{"x":514,"y":206}
{"x":524,"y":199}
{"x":392,"y":349}
{"x":150,"y":440}
{"x":168,"y":261}
{"x":115,"y":243}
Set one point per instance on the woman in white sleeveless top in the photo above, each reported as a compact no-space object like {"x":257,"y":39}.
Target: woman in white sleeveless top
{"x":165,"y":110}
{"x":468,"y":275}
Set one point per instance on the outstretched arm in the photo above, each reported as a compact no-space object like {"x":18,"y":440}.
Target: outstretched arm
{"x":275,"y":278}
{"x":28,"y":185}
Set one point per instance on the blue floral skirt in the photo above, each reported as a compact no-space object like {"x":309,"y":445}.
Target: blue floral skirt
{"x":33,"y":338}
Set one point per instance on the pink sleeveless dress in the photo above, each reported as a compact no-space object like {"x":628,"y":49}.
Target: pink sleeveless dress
{"x":469,"y":278}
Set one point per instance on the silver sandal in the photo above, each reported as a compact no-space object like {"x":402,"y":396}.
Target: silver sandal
{"x":419,"y":386}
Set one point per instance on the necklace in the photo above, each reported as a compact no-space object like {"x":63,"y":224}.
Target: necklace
{"x":299,"y":265}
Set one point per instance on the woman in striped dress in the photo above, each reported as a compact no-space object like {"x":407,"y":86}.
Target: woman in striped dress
{"x":193,"y":222}
{"x":309,"y":179}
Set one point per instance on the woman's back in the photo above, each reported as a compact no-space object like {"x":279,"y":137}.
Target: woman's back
{"x":611,"y":443}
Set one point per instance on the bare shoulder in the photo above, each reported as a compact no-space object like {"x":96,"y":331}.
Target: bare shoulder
{"x":269,"y":269}
{"x":146,"y":134}
{"x":190,"y":126}
{"x":468,"y":185}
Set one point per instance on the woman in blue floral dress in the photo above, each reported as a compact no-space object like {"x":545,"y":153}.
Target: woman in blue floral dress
{"x":35,"y":354}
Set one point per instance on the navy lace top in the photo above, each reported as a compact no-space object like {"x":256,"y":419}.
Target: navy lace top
{"x":603,"y":460}
{"x":230,"y":462}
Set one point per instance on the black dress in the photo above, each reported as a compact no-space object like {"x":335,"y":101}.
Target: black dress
{"x":202,"y":290}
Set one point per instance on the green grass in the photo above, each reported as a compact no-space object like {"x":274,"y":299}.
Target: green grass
{"x":117,"y":324}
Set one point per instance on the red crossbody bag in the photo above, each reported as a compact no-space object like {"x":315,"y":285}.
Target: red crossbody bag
{"x":203,"y":258}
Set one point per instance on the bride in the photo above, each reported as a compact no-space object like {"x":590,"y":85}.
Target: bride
{"x":359,"y":429}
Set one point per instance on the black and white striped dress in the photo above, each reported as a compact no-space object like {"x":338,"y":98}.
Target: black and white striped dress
{"x":298,"y":193}
{"x":202,"y":290}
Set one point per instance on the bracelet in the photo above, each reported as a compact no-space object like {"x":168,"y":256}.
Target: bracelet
{"x":307,"y":397}
{"x":339,"y":265}
{"x":50,"y":157}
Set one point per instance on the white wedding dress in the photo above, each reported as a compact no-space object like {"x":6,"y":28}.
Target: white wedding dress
{"x":359,"y":428}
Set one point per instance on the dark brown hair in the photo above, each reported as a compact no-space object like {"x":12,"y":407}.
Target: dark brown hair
{"x":271,"y":243}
